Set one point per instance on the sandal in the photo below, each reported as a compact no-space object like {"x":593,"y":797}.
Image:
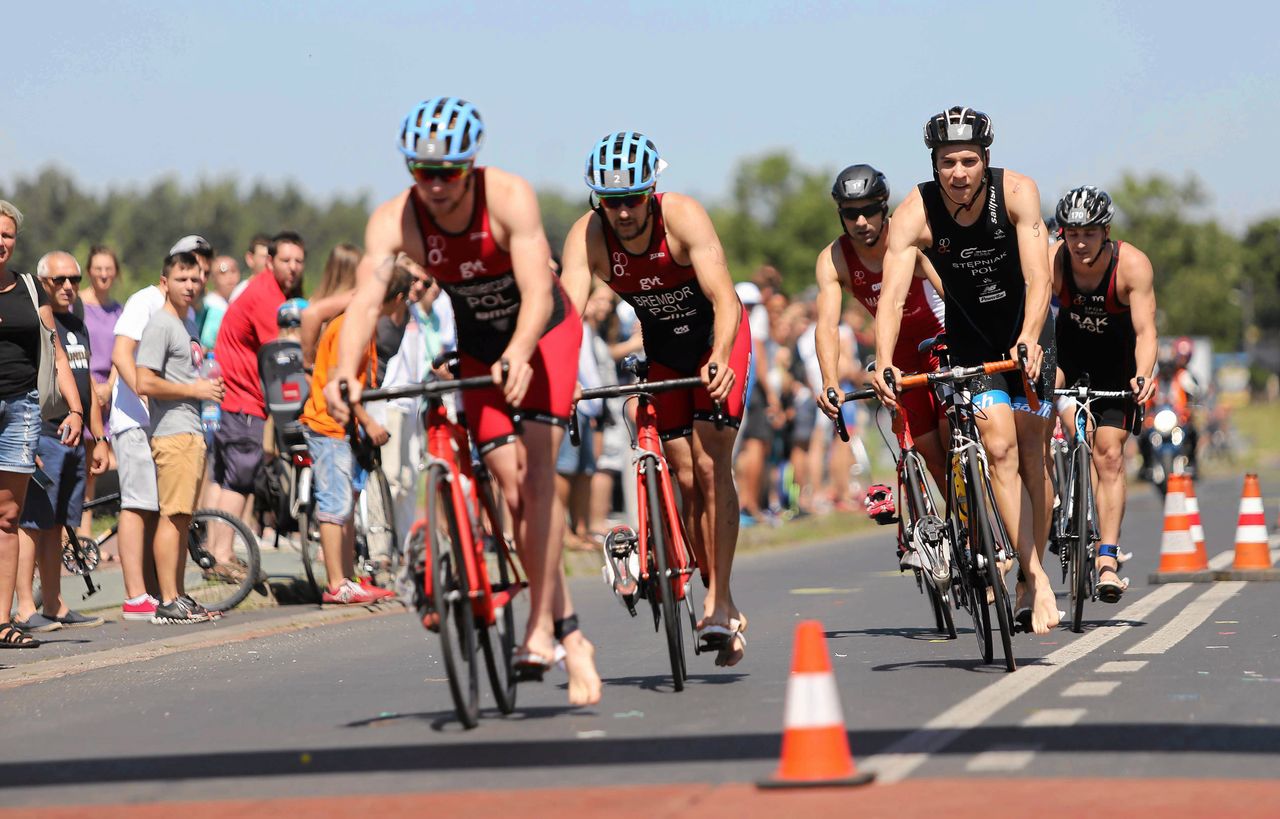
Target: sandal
{"x":12,"y":637}
{"x":737,"y":645}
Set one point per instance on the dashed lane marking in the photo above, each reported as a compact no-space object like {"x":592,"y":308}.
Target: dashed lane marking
{"x":1091,"y":688}
{"x":910,"y":752}
{"x":1005,"y":758}
{"x":1122,"y":666}
{"x":1053,"y":718}
{"x":1195,"y":613}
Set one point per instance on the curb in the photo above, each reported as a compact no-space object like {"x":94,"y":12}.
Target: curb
{"x":208,"y":637}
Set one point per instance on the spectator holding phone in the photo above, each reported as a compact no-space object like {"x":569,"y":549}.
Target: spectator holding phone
{"x":56,"y":492}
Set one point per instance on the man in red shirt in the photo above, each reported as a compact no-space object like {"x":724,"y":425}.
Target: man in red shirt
{"x":249,"y":323}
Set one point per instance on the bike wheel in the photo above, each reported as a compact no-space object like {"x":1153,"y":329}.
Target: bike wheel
{"x":967,"y":583}
{"x":309,"y":548}
{"x":498,"y":641}
{"x":381,"y":543}
{"x":990,"y":533}
{"x":942,"y":618}
{"x":1081,"y":565}
{"x":220,"y":588}
{"x":452,"y":598}
{"x":928,"y":539}
{"x":664,"y":588}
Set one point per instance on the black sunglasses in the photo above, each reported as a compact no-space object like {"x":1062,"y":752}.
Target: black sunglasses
{"x":423,"y":172}
{"x":58,"y":281}
{"x":624,"y":200}
{"x":852,"y":213}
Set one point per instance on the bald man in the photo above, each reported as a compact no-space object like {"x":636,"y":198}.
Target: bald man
{"x":224,"y":276}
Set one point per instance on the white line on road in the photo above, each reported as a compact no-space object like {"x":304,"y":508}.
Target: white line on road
{"x":1196,"y":612}
{"x":1122,"y":666}
{"x":1091,"y":688}
{"x":1053,"y":718}
{"x":910,"y":752}
{"x":1006,"y":758}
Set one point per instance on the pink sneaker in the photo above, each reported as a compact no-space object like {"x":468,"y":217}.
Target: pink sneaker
{"x":140,"y":611}
{"x":378,"y":592}
{"x":349,"y":593}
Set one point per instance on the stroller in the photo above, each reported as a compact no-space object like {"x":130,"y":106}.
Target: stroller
{"x":283,"y":487}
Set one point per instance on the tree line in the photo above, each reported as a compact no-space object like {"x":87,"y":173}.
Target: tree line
{"x":1209,"y":281}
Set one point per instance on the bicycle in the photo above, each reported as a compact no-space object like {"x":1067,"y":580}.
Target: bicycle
{"x":216,"y":591}
{"x":469,"y":540}
{"x":920,"y":527}
{"x":1075,"y":526}
{"x":664,"y":558}
{"x":979,"y":541}
{"x":376,"y":536}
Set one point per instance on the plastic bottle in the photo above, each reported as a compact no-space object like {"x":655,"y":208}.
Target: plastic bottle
{"x":210,"y":411}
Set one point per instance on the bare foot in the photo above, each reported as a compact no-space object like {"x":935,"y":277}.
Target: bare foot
{"x":579,"y":661}
{"x":736,"y":649}
{"x":1044,"y":608}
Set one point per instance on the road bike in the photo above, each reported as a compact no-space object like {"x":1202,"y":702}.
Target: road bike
{"x":921,"y":530}
{"x":460,"y":573}
{"x":654,"y":562}
{"x":1075,"y":525}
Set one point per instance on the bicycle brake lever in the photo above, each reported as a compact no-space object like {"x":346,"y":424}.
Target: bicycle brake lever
{"x":517,"y":419}
{"x":717,"y":409}
{"x":841,"y":429}
{"x":575,"y":437}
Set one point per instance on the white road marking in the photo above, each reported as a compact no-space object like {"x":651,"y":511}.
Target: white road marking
{"x":1122,"y":666}
{"x":1195,"y":613}
{"x":1053,"y":718}
{"x":910,"y":752}
{"x":1005,"y":758}
{"x":1091,"y":688}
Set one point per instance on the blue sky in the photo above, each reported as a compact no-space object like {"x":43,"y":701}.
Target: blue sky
{"x":121,"y":93}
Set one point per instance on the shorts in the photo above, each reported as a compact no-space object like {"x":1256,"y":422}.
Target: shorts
{"x":237,"y":451}
{"x":549,"y":399}
{"x":581,"y":459}
{"x":755,"y":422}
{"x":179,"y":468}
{"x":19,"y":432}
{"x":1010,"y":383}
{"x":62,"y":502}
{"x":1120,"y":413}
{"x":137,"y":470}
{"x":333,"y":477}
{"x":807,"y":413}
{"x":679,"y":409}
{"x":920,"y":405}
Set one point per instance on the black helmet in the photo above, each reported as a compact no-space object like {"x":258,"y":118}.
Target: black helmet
{"x":1085,"y":206}
{"x":860,"y":182}
{"x":959,"y":124}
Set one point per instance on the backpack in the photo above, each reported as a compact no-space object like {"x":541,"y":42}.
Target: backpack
{"x":271,"y":493}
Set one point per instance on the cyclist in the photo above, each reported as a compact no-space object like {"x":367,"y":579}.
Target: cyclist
{"x":660,"y":253}
{"x":478,"y":232}
{"x":980,"y":227}
{"x":1106,"y":328}
{"x":855,"y":262}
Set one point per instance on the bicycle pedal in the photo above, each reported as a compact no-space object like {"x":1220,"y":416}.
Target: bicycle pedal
{"x":885,"y":519}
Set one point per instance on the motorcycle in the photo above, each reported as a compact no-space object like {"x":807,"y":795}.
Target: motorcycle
{"x":1166,"y":446}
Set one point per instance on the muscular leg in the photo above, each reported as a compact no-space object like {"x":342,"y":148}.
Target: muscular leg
{"x":712,"y":450}
{"x":679,"y":452}
{"x":750,"y":468}
{"x":930,"y":448}
{"x":1109,"y":488}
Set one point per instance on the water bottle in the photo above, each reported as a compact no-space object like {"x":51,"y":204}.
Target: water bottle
{"x":210,"y":411}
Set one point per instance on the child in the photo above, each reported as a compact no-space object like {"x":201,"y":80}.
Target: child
{"x":333,"y":465}
{"x":169,"y":358}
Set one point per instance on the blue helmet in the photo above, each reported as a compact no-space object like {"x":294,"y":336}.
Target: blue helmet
{"x":623,"y":162}
{"x":290,"y":313}
{"x":441,"y":129}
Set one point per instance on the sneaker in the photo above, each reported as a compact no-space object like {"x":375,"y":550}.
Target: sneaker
{"x":192,"y":604}
{"x":37,"y":624}
{"x":377,"y":591}
{"x":180,"y":612}
{"x":74,"y":619}
{"x":348,"y":594}
{"x":909,"y":559}
{"x":140,"y":611}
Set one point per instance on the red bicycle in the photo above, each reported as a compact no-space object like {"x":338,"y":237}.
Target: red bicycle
{"x":460,"y":574}
{"x":654,"y":562}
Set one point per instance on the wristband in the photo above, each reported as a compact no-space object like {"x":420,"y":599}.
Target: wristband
{"x":76,"y":412}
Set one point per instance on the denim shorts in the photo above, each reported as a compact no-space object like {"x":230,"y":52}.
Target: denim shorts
{"x":578,"y":460}
{"x":19,"y":432}
{"x":61,"y":503}
{"x":332,"y":476}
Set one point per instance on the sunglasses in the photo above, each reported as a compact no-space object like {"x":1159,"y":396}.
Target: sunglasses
{"x":425,"y":173}
{"x":58,"y":281}
{"x":852,"y":213}
{"x":624,"y":200}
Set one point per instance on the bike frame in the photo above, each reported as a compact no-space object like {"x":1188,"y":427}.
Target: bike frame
{"x":646,"y":446}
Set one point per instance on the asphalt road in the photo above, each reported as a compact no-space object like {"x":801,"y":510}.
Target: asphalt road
{"x":1178,"y":681}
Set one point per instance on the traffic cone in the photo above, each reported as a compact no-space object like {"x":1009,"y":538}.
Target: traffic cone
{"x":1253,"y":547}
{"x":1179,"y":561}
{"x":815,"y":747}
{"x":1193,"y":519}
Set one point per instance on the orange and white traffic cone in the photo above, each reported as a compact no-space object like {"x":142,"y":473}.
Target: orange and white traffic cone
{"x":1179,"y":561}
{"x":1193,"y":519}
{"x":1253,"y":546}
{"x":815,"y":747}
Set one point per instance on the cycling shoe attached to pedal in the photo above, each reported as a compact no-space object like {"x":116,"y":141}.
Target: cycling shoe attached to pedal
{"x":621,"y":570}
{"x":879,"y":504}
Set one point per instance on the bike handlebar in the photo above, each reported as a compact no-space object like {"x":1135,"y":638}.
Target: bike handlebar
{"x":428,"y":388}
{"x":641,"y":388}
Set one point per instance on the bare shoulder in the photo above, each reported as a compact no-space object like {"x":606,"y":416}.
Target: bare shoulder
{"x":1021,"y":195}
{"x":510,"y":199}
{"x":682,"y":212}
{"x":586,"y":236}
{"x":908,"y":226}
{"x":1134,"y":267}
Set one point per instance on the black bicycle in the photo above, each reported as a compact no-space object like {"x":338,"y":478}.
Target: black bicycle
{"x":1075,"y":525}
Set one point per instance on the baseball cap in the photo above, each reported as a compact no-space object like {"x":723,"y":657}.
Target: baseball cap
{"x":191,"y":244}
{"x":748,"y":293}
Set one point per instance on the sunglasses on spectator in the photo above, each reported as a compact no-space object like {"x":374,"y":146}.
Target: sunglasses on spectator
{"x":852,"y":213}
{"x":58,"y":281}
{"x":426,"y":173}
{"x":624,"y":200}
